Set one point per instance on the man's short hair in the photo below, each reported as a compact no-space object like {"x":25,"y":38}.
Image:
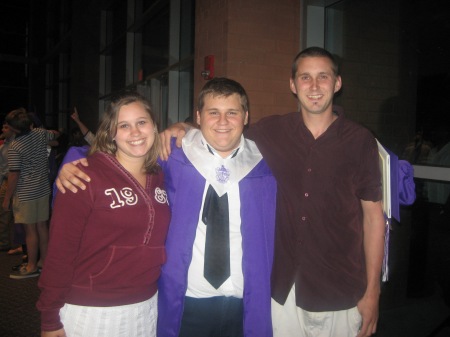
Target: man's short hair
{"x":19,"y":120}
{"x":315,"y":52}
{"x":221,"y":86}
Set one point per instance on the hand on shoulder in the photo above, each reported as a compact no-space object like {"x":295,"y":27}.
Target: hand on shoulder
{"x":177,"y":130}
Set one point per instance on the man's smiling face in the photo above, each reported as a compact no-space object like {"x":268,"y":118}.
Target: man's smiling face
{"x":222,"y":120}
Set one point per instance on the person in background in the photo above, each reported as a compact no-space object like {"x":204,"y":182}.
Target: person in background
{"x":28,"y":183}
{"x":417,"y":151}
{"x":80,"y":142}
{"x":216,"y":281}
{"x":107,"y":242}
{"x":6,"y":216}
{"x":7,"y":225}
{"x":52,"y":145}
{"x":329,"y":241}
{"x":11,"y":234}
{"x":87,"y":134}
{"x":76,"y":138}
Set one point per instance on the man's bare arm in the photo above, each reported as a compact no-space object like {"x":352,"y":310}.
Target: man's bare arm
{"x":374,"y":228}
{"x":72,"y":177}
{"x":13,"y":178}
{"x":177,"y":130}
{"x":76,"y":118}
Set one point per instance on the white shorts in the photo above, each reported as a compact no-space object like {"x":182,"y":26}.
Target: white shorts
{"x":288,"y":320}
{"x":133,"y":320}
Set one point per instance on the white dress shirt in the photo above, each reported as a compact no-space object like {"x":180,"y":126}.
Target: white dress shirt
{"x":224,"y":175}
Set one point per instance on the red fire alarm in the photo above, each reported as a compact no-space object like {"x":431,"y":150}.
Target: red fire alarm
{"x":208,"y":72}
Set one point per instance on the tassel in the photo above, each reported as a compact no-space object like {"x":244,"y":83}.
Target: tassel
{"x":385,"y":265}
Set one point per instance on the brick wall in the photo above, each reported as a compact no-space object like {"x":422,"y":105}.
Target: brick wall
{"x":254,"y":42}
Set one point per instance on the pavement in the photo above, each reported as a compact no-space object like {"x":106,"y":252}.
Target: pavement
{"x":417,"y":312}
{"x":18,"y":314}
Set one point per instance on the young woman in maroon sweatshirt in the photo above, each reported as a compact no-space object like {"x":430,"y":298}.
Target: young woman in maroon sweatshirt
{"x":107,"y":242}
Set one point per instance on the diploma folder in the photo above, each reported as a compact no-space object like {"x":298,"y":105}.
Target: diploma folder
{"x":389,"y":180}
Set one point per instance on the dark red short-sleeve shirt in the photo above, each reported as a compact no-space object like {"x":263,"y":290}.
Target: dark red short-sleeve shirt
{"x":319,"y":224}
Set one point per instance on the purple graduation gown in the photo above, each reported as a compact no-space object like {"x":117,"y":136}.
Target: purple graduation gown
{"x":185,"y":187}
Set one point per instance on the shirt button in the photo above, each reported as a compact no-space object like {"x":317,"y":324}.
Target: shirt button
{"x":306,"y":195}
{"x":303,"y":218}
{"x":309,"y":170}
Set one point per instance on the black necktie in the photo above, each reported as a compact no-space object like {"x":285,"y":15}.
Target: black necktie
{"x":217,"y":245}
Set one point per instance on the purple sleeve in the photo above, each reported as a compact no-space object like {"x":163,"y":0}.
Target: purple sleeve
{"x":74,"y":153}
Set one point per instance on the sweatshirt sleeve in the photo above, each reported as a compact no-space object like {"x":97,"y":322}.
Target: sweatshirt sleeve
{"x":70,"y":214}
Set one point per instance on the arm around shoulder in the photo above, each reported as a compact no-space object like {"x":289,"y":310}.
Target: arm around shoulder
{"x":71,"y":176}
{"x":177,"y":130}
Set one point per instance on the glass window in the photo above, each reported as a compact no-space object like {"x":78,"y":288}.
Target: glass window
{"x":153,"y":52}
{"x":14,"y":74}
{"x":155,"y":41}
{"x":118,"y":62}
{"x":395,"y":71}
{"x":118,"y":17}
